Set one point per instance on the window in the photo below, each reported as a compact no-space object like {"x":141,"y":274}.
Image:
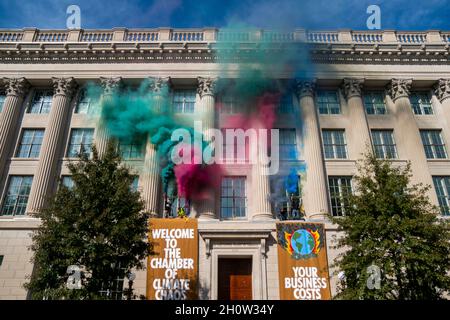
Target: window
{"x":421,"y":103}
{"x":184,"y":101}
{"x":339,"y":187}
{"x":229,"y":104}
{"x":374,"y":102}
{"x":135,"y":184}
{"x":334,"y":144}
{"x":233,"y":202}
{"x":383,"y":144}
{"x":2,"y":101}
{"x":80,"y":141}
{"x":239,"y":149}
{"x":442,"y":186}
{"x":131,"y":151}
{"x":16,"y":198}
{"x":84,"y":103}
{"x":30,"y":144}
{"x":67,"y":181}
{"x":112,"y":288}
{"x":433,"y":144}
{"x":42,"y":101}
{"x":288,"y":144}
{"x":328,"y":102}
{"x":287,"y":196}
{"x":286,"y":105}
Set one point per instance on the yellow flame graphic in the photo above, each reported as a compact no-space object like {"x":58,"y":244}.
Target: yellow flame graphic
{"x":316,"y":237}
{"x":288,"y":237}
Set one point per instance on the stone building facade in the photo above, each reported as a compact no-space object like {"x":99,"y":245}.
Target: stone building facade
{"x":385,"y":88}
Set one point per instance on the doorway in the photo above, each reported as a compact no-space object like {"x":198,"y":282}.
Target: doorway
{"x":235,"y":279}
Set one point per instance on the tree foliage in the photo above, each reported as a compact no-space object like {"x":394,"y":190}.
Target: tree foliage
{"x":392,"y":225}
{"x":99,"y":224}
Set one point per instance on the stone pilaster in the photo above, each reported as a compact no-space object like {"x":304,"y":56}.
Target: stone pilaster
{"x":205,"y":111}
{"x":102,"y":136}
{"x":315,"y":194}
{"x":408,"y":136}
{"x":15,"y":89}
{"x":52,"y":144}
{"x":151,"y":178}
{"x":358,"y":133}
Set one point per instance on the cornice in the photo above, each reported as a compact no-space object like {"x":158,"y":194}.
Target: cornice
{"x":166,"y":45}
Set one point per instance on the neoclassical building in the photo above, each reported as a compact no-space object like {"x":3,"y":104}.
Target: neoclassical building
{"x":387,"y":89}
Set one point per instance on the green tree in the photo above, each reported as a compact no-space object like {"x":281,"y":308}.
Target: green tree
{"x":391,"y":224}
{"x":99,"y":224}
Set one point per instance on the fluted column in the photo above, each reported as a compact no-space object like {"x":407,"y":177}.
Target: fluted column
{"x":15,"y":89}
{"x":314,"y":189}
{"x":408,"y":135}
{"x":52,"y":144}
{"x":260,"y":188}
{"x":102,"y":135}
{"x":358,"y":132}
{"x":205,"y":111}
{"x":151,"y":178}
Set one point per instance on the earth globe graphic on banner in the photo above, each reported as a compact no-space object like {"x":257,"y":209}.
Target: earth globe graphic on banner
{"x":302,"y":242}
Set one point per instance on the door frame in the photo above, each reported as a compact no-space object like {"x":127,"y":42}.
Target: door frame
{"x":258,"y":275}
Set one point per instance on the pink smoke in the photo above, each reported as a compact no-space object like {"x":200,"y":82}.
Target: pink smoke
{"x":196,"y":181}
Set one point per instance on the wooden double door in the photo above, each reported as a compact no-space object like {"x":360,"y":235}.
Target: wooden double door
{"x":235,"y":279}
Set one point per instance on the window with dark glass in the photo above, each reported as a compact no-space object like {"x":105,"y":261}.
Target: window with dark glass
{"x":233,"y":202}
{"x":16,"y":198}
{"x":288,"y":144}
{"x":421,"y":103}
{"x":184,"y":101}
{"x":85,"y":102}
{"x":328,"y":102}
{"x":374,"y":102}
{"x":80,"y":142}
{"x":334,"y":144}
{"x":41,"y":102}
{"x":30,"y":143}
{"x":433,"y":144}
{"x":384,"y":144}
{"x":131,"y":151}
{"x":339,"y":188}
{"x":442,"y":186}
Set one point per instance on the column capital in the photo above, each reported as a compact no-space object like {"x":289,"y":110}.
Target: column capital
{"x":158,"y":84}
{"x":64,"y":86}
{"x":352,"y":87}
{"x":442,"y":89}
{"x":15,"y":86}
{"x":110,"y":85}
{"x":399,"y":88}
{"x":304,"y":87}
{"x":206,"y":86}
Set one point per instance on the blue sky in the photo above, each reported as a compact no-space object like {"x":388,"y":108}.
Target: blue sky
{"x":311,"y":14}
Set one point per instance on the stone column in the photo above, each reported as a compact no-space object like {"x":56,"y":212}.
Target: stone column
{"x":205,"y":111}
{"x":52,"y":144}
{"x":358,"y":132}
{"x":151,"y":176}
{"x":15,"y":89}
{"x":315,"y":193}
{"x":260,"y":188}
{"x":102,"y":136}
{"x":408,"y":135}
{"x":442,"y":91}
